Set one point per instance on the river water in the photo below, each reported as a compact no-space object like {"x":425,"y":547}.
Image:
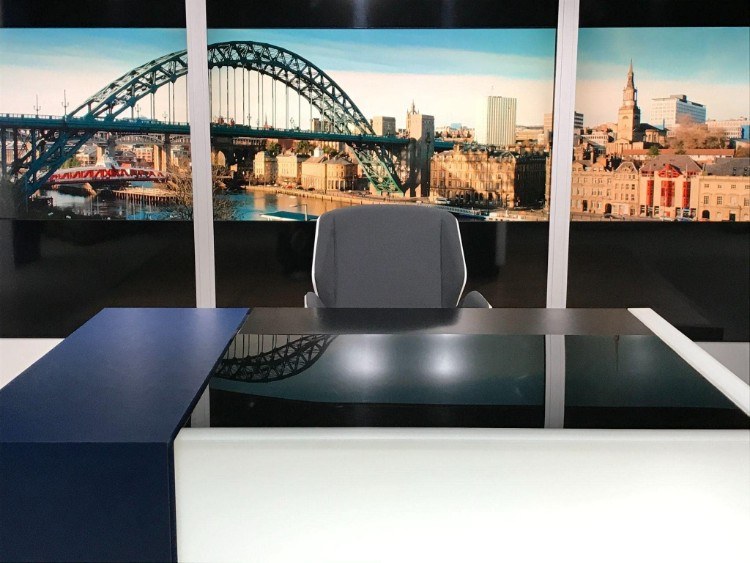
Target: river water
{"x":248,"y":205}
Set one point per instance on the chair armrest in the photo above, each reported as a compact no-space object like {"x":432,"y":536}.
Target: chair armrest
{"x":474,"y":300}
{"x":313,"y":301}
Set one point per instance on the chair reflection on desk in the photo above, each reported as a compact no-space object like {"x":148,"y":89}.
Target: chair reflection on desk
{"x":389,"y":256}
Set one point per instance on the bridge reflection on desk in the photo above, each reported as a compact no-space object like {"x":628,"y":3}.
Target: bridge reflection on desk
{"x":418,"y":379}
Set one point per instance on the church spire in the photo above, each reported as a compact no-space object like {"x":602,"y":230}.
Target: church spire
{"x":629,"y":115}
{"x":631,"y":83}
{"x":630,"y":93}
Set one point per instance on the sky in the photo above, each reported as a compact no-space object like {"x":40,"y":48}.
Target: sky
{"x":710,"y":66}
{"x":445,"y":72}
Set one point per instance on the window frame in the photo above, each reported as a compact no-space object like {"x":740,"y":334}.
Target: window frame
{"x":563,"y":121}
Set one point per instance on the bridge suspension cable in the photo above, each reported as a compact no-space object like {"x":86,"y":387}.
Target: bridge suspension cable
{"x":323,"y":94}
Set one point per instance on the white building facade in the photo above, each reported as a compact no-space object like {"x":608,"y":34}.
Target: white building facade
{"x":497,"y":121}
{"x":668,"y":112}
{"x":732,"y":127}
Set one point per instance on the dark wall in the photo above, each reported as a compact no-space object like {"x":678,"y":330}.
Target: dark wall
{"x":58,"y":274}
{"x":696,"y":275}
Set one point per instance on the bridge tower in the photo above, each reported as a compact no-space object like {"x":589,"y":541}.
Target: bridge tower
{"x":421,"y":129}
{"x":163,"y":154}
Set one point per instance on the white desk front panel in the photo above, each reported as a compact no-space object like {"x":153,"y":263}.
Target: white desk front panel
{"x":462,"y":495}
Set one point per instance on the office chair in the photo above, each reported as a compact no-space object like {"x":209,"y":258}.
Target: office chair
{"x":389,"y":256}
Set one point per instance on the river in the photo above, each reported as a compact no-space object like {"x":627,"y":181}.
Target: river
{"x":248,"y":205}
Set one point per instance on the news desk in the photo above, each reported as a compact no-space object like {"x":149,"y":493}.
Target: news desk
{"x":321,"y":427}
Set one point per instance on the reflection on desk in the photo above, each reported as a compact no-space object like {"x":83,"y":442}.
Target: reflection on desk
{"x":442,"y":368}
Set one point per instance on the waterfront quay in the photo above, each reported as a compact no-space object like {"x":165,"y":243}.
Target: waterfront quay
{"x":151,"y":196}
{"x":342,"y":199}
{"x":353,"y":198}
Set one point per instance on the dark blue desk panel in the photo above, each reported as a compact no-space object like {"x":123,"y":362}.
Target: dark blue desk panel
{"x":86,"y":434}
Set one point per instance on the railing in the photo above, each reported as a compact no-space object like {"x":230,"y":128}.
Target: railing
{"x":73,"y":119}
{"x":459,"y":210}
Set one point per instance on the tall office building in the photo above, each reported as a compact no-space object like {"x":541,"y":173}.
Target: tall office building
{"x":671,"y":111}
{"x":496,"y":124}
{"x":629,"y":114}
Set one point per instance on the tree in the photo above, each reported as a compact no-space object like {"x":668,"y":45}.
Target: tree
{"x":691,"y":135}
{"x":72,"y":162}
{"x":273,"y":148}
{"x":181,"y":184}
{"x":304,"y":147}
{"x":653,"y":150}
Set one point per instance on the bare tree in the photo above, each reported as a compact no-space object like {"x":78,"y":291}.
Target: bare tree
{"x":691,"y":135}
{"x":180,"y":183}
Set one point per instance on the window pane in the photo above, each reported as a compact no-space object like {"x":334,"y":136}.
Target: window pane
{"x":94,"y":126}
{"x":452,"y":117}
{"x":660,"y":145}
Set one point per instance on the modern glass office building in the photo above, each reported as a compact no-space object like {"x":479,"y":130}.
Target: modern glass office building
{"x":676,"y":109}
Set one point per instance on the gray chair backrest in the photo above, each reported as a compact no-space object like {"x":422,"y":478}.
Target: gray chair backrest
{"x":388,"y":256}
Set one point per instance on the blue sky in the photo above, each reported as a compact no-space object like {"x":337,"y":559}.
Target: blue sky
{"x":718,"y":54}
{"x":529,"y":52}
{"x":444,"y":71}
{"x":39,"y":47}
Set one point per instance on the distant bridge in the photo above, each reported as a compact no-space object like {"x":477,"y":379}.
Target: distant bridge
{"x":54,"y":140}
{"x":92,"y":174}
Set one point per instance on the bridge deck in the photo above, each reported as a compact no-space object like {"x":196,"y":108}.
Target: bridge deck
{"x":18,"y":121}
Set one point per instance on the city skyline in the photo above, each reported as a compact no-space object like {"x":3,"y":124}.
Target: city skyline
{"x":443,"y":71}
{"x":446,"y":72}
{"x":710,"y":66}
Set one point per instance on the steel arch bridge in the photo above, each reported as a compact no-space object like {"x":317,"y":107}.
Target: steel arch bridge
{"x":263,"y":359}
{"x":52,"y":148}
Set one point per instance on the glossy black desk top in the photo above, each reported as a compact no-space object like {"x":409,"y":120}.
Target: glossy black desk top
{"x":332,"y":365}
{"x":441,"y":321}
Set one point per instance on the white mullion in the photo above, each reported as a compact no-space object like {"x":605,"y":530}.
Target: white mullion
{"x":554,"y":381}
{"x":562,"y":127}
{"x":200,"y":152}
{"x":701,"y":361}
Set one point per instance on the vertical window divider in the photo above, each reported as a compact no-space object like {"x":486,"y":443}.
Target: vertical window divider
{"x":200,"y":153}
{"x":566,"y":53}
